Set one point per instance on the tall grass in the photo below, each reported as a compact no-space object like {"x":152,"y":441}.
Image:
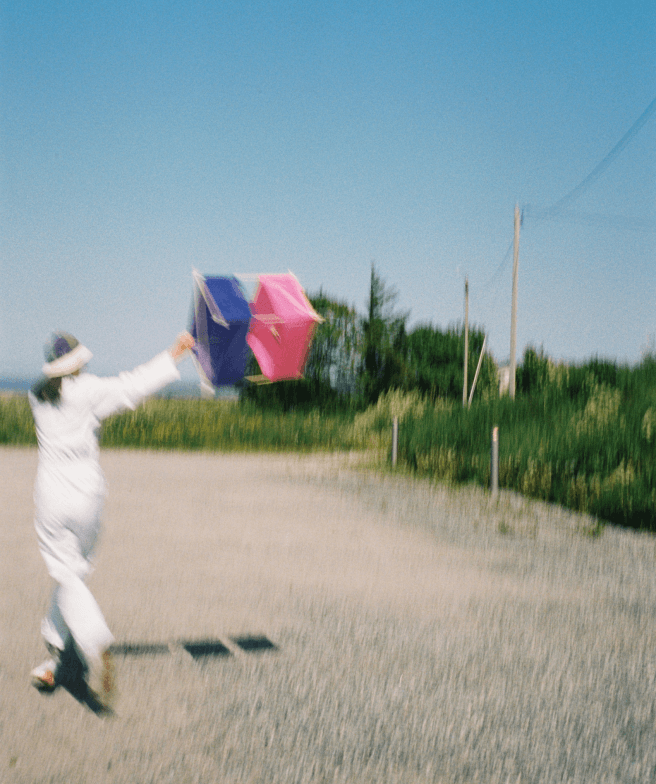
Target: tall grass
{"x":16,"y":423}
{"x":202,"y":424}
{"x":226,"y":426}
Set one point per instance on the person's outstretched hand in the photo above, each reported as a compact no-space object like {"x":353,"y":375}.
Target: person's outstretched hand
{"x":184,"y":342}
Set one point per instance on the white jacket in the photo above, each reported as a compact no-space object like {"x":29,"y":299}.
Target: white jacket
{"x":69,"y":470}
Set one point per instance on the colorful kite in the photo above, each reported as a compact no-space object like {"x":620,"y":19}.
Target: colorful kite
{"x":278,"y":325}
{"x":282,"y":327}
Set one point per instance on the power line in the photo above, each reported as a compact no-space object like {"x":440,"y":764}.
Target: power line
{"x":489,"y":294}
{"x":557,"y":208}
{"x":500,"y":268}
{"x":504,"y":260}
{"x":621,"y":222}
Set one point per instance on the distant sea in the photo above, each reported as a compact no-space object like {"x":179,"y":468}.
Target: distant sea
{"x":16,"y":385}
{"x":179,"y":389}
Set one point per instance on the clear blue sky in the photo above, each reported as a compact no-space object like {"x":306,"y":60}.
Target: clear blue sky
{"x":141,"y":139}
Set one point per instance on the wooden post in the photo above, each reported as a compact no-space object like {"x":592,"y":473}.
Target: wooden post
{"x":464,"y":387}
{"x":478,"y":370}
{"x":395,"y":440}
{"x":494,"y":463}
{"x":513,"y":310}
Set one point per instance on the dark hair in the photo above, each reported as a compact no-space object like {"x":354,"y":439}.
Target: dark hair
{"x":48,"y":390}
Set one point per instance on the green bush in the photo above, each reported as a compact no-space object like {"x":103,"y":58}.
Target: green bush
{"x":583,"y":437}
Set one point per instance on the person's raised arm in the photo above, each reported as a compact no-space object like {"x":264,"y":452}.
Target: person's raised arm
{"x":127,"y":390}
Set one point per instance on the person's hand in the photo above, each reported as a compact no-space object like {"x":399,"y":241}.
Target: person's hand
{"x":184,"y":342}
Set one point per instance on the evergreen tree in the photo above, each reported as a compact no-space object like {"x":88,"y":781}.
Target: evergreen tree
{"x":336,"y":349}
{"x":384,"y":336}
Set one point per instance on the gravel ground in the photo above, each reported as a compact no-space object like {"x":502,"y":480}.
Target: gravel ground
{"x":422,"y":634}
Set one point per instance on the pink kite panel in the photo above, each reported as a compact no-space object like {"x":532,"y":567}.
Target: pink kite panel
{"x":282,"y":327}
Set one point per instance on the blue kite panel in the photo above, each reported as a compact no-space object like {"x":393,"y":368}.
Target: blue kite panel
{"x":222,"y":351}
{"x":229,"y":299}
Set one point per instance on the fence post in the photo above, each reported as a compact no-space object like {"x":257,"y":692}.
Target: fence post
{"x":494,"y":463}
{"x":395,"y":440}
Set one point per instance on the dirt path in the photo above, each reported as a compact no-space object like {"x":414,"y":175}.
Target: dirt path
{"x":421,"y":634}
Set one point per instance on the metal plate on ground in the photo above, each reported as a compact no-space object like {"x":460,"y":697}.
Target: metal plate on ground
{"x":203,"y":649}
{"x":254,"y":643}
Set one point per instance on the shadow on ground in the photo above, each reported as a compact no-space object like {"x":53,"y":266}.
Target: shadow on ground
{"x":72,"y":672}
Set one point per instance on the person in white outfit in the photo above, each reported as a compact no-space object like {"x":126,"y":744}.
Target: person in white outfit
{"x":68,"y":407}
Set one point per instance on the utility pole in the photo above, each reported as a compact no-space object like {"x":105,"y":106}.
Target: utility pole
{"x":464,"y":388}
{"x":513,"y":311}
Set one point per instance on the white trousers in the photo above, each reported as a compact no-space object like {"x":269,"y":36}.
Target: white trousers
{"x":68,"y":533}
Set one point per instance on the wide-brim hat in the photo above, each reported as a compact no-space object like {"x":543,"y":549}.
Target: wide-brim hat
{"x":64,"y":355}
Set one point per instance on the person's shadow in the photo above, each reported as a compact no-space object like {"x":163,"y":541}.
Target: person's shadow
{"x":71,"y":675}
